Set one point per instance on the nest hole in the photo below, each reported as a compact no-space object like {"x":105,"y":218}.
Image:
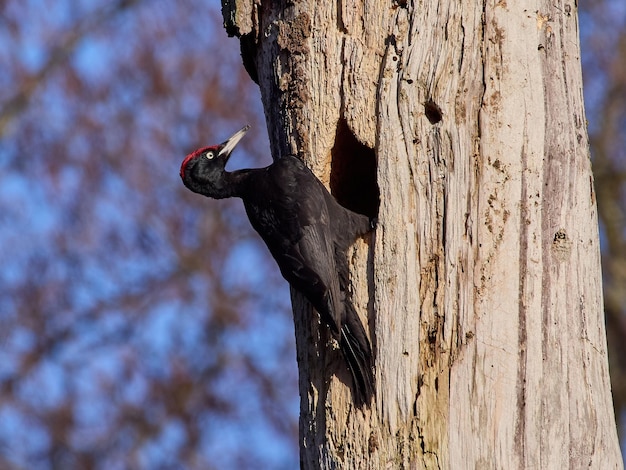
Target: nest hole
{"x":353,"y":173}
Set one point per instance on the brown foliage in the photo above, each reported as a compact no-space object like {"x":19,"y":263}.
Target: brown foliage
{"x":141,"y":325}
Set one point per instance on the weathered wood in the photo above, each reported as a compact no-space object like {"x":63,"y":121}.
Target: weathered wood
{"x":482,"y":285}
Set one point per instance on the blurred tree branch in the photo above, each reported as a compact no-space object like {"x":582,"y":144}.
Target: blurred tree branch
{"x":57,"y":56}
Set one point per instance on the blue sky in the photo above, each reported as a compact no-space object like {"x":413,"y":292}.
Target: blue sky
{"x":41,"y":205}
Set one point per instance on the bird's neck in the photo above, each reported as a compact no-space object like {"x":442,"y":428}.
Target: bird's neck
{"x":228,"y":184}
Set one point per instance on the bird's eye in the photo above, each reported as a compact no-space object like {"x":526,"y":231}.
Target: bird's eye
{"x":210,"y":155}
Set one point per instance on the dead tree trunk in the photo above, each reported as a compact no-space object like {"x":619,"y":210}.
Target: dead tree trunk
{"x":461,"y":126}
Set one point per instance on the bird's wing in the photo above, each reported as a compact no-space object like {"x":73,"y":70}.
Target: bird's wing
{"x":306,"y":253}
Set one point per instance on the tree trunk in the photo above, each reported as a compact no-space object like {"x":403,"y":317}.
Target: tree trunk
{"x":460,"y":125}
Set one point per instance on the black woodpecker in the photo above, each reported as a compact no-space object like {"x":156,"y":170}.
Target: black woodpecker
{"x":307,"y":232}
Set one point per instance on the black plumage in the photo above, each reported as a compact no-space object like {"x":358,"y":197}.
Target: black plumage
{"x":307,"y":232}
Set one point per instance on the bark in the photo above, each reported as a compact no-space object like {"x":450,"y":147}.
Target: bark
{"x":461,"y":126}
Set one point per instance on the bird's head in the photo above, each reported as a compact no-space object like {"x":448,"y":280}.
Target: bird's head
{"x":203,"y":171}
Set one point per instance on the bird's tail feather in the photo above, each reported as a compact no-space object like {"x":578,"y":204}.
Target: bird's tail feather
{"x":358,"y":354}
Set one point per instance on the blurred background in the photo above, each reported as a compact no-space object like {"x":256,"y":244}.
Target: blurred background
{"x":140,"y":326}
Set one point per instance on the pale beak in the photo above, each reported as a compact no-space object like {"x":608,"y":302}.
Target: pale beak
{"x":227,"y":147}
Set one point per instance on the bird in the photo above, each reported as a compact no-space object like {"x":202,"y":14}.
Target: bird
{"x":306,"y":231}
